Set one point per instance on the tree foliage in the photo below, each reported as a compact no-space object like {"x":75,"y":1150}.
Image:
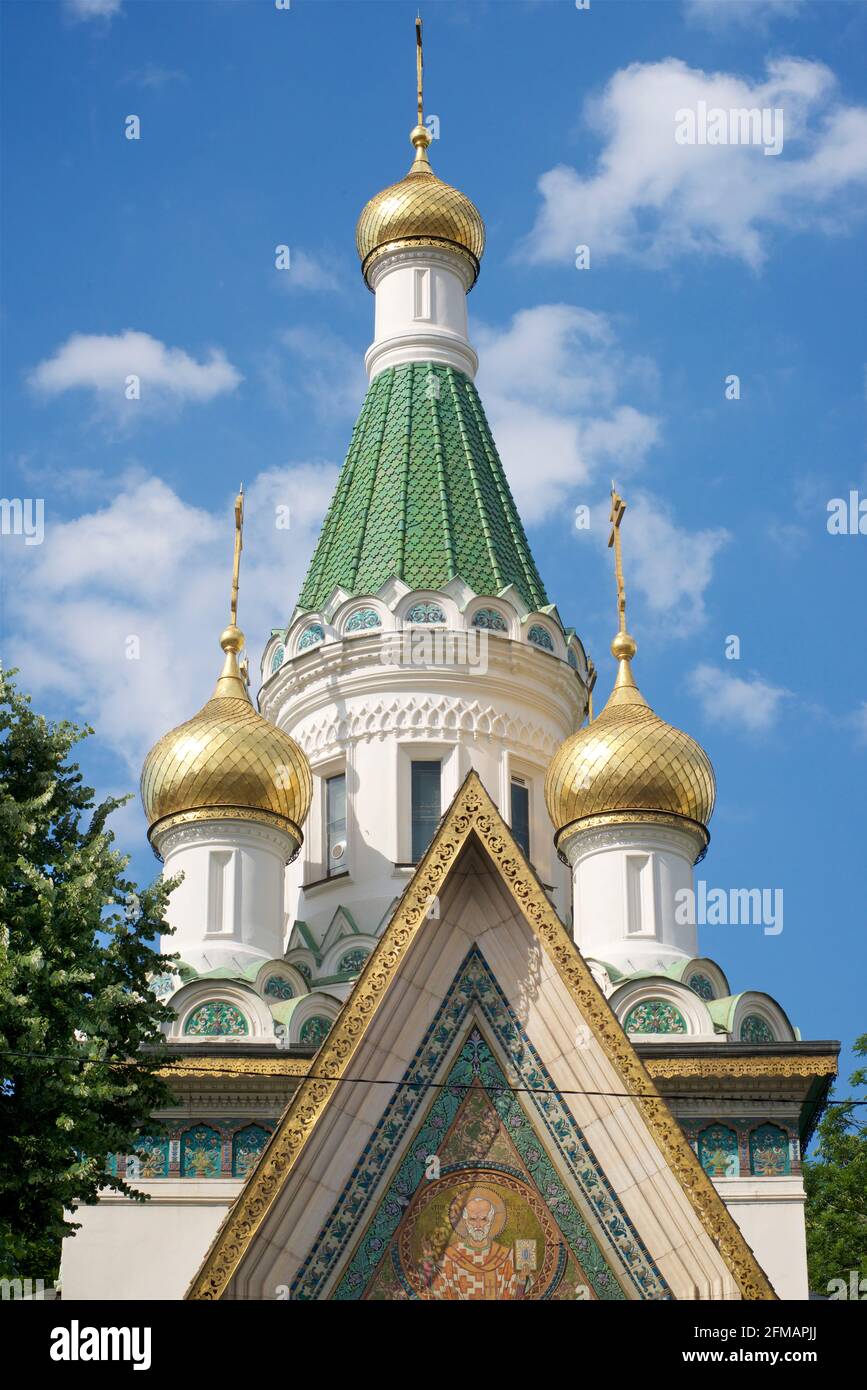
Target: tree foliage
{"x":75,"y":1007}
{"x":836,"y":1183}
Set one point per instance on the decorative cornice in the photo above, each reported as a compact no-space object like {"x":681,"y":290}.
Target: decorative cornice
{"x":741,"y":1066}
{"x":472,"y":813}
{"x":219,"y":813}
{"x":241,"y":1066}
{"x":699,"y":832}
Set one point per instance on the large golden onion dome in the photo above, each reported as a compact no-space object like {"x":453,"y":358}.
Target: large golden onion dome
{"x":421,"y":210}
{"x":227,"y":762}
{"x":629,"y":765}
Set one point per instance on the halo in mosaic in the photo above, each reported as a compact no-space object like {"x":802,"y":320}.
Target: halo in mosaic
{"x":718,"y":1152}
{"x":770,"y":1154}
{"x":654,"y":1016}
{"x":216,"y":1019}
{"x":540,"y":637}
{"x":247,"y":1144}
{"x":358,"y":1253}
{"x":150,"y":1160}
{"x":491,"y":619}
{"x":363,"y":619}
{"x":425,"y":613}
{"x":754,"y":1029}
{"x":277,"y":659}
{"x":314,"y":1030}
{"x":353,"y":961}
{"x":312,"y":634}
{"x":201,"y":1149}
{"x":701,"y":985}
{"x":278,"y":987}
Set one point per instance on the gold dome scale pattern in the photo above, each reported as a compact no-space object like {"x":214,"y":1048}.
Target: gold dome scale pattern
{"x":420,"y":210}
{"x":227,"y":762}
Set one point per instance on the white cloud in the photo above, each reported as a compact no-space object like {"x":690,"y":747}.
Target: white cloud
{"x":738,"y":14}
{"x":748,"y":703}
{"x":307,"y":272}
{"x":92,"y":9}
{"x":149,"y":565}
{"x":325,"y":368}
{"x":154,"y":76}
{"x":656,"y":200}
{"x":671,"y":567}
{"x":550,"y":383}
{"x":101,"y":363}
{"x":858,"y":720}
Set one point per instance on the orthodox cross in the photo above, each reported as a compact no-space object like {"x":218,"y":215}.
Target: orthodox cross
{"x":618,"y":509}
{"x":239,"y":545}
{"x":419,"y":67}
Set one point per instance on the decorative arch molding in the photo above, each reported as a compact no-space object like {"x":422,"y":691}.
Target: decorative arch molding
{"x":757,"y":1015}
{"x":701,"y":972}
{"x":304,"y":963}
{"x":239,"y":996}
{"x":282,"y":970}
{"x":317,"y":1004}
{"x":441,"y":716}
{"x":362,"y":941}
{"x":655,"y":990}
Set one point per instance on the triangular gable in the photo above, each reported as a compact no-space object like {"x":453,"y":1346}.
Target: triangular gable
{"x":586,"y":1093}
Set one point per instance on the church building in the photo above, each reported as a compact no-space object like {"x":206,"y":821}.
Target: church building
{"x":441,"y":1028}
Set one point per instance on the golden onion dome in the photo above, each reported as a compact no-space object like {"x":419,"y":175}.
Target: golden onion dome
{"x":421,"y":210}
{"x":629,"y":765}
{"x":227,"y":762}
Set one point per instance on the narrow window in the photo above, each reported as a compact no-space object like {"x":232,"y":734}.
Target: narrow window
{"x":639,"y":893}
{"x":335,"y":824}
{"x":219,"y":893}
{"x":421,"y":294}
{"x":426,"y":808}
{"x":520,"y":813}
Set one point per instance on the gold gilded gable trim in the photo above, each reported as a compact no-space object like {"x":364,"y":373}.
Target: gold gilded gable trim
{"x":471,"y":812}
{"x":741,"y":1066}
{"x":236,"y":1066}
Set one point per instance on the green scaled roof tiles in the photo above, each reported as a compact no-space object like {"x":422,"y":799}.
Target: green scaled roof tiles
{"x":422,"y":496}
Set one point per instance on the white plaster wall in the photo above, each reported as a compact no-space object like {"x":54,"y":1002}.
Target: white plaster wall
{"x":252,"y":918}
{"x":770,"y":1212}
{"x":602,"y":921}
{"x":132,"y":1250}
{"x":421,"y":319}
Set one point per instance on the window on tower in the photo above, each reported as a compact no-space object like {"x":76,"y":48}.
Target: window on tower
{"x":426,"y":805}
{"x":335,"y":825}
{"x":520,"y":813}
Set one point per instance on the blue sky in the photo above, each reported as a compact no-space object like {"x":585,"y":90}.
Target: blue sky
{"x":262,"y":126}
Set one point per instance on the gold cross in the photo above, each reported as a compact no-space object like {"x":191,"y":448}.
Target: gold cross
{"x":239,"y":545}
{"x":618,"y":509}
{"x":419,"y":67}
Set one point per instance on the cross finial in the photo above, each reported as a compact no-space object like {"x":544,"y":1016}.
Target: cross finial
{"x":419,"y":68}
{"x":239,"y":545}
{"x":623,"y":646}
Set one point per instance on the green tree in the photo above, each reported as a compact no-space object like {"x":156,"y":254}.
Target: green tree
{"x":75,"y":1007}
{"x":836,"y":1183}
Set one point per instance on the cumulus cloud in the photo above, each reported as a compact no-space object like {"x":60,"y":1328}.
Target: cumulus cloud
{"x":91,"y":9}
{"x":749,"y":703}
{"x":149,"y":566}
{"x":308,"y":272}
{"x":671,"y":567}
{"x":655,"y":200}
{"x":103,"y":363}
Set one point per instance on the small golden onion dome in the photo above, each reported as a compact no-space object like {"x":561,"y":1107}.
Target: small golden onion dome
{"x":227,"y":762}
{"x":629,"y":765}
{"x":421,"y":210}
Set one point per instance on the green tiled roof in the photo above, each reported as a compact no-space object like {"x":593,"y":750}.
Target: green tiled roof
{"x":422,"y":496}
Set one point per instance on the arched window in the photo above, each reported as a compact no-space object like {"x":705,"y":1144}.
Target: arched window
{"x":654,"y":1016}
{"x":352,"y":962}
{"x":700,"y":985}
{"x":216,"y":1019}
{"x":310,"y":636}
{"x":540,"y":637}
{"x":314,"y":1030}
{"x":362,"y":620}
{"x":491,"y":619}
{"x":718,"y":1152}
{"x":426,"y":613}
{"x":769,"y":1152}
{"x":201,"y":1149}
{"x":755,"y":1029}
{"x":247,"y":1144}
{"x":278,"y":987}
{"x":277,"y":659}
